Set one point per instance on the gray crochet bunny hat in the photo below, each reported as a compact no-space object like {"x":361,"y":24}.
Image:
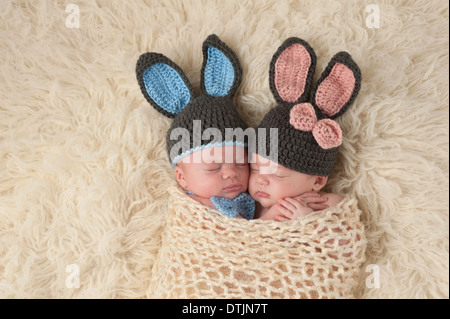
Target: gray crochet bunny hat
{"x":307,"y":133}
{"x":168,"y":90}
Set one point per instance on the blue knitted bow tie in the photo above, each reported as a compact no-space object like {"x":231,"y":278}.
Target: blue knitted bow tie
{"x":243,"y":205}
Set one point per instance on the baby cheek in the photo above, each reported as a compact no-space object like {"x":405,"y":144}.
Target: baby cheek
{"x":252,"y":183}
{"x":245,"y":176}
{"x":282,"y":190}
{"x":214,"y":182}
{"x":206,"y":185}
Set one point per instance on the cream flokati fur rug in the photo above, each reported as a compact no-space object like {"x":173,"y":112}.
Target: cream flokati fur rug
{"x":83,"y":167}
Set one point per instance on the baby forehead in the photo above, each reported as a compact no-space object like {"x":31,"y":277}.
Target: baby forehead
{"x":262,"y":161}
{"x":265,"y":165}
{"x":221,"y":154}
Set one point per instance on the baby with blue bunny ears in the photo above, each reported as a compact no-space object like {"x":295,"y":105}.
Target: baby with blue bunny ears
{"x":210,"y":164}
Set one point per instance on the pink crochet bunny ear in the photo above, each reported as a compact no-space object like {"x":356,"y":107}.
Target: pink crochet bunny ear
{"x":338,"y":86}
{"x":291,"y":71}
{"x":336,"y":89}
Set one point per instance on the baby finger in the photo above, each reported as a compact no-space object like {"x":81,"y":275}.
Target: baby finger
{"x":288,"y":203}
{"x":284,"y":211}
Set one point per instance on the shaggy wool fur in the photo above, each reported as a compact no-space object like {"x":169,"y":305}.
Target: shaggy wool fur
{"x":83,"y":166}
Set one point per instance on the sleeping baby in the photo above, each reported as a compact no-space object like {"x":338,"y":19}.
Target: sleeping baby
{"x":308,"y":136}
{"x":286,"y":194}
{"x":218,"y":180}
{"x":205,"y":143}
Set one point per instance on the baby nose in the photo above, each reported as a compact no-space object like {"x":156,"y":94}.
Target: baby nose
{"x":230,"y":172}
{"x":262,"y":179}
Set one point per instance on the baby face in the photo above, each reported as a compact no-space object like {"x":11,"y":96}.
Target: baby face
{"x":270,"y":182}
{"x":217,"y":171}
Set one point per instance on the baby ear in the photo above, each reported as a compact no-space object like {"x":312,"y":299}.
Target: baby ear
{"x":338,"y":85}
{"x":163,"y":84}
{"x":179,"y":175}
{"x":221,"y":71}
{"x":319,"y":182}
{"x":291,"y":71}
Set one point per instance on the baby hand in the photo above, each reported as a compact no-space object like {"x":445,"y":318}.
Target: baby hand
{"x":291,"y":208}
{"x":315,"y":201}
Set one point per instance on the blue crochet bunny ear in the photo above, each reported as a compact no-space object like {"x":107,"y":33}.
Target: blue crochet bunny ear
{"x":221,"y":70}
{"x":163,"y":84}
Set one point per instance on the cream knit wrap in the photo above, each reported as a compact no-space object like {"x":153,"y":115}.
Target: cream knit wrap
{"x":207,"y":255}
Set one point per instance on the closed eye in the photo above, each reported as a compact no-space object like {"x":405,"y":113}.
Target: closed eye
{"x":213,"y":168}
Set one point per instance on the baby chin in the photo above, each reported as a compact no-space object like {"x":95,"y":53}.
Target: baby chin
{"x":265,"y":202}
{"x":264,"y":199}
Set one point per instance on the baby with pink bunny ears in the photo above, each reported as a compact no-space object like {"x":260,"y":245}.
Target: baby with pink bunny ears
{"x":288,"y":184}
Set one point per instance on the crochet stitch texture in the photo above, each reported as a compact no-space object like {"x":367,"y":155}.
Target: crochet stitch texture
{"x":168,"y":90}
{"x":207,"y":255}
{"x":243,"y":205}
{"x":307,"y":133}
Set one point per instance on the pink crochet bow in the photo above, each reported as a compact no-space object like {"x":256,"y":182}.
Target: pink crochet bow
{"x":327,"y":132}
